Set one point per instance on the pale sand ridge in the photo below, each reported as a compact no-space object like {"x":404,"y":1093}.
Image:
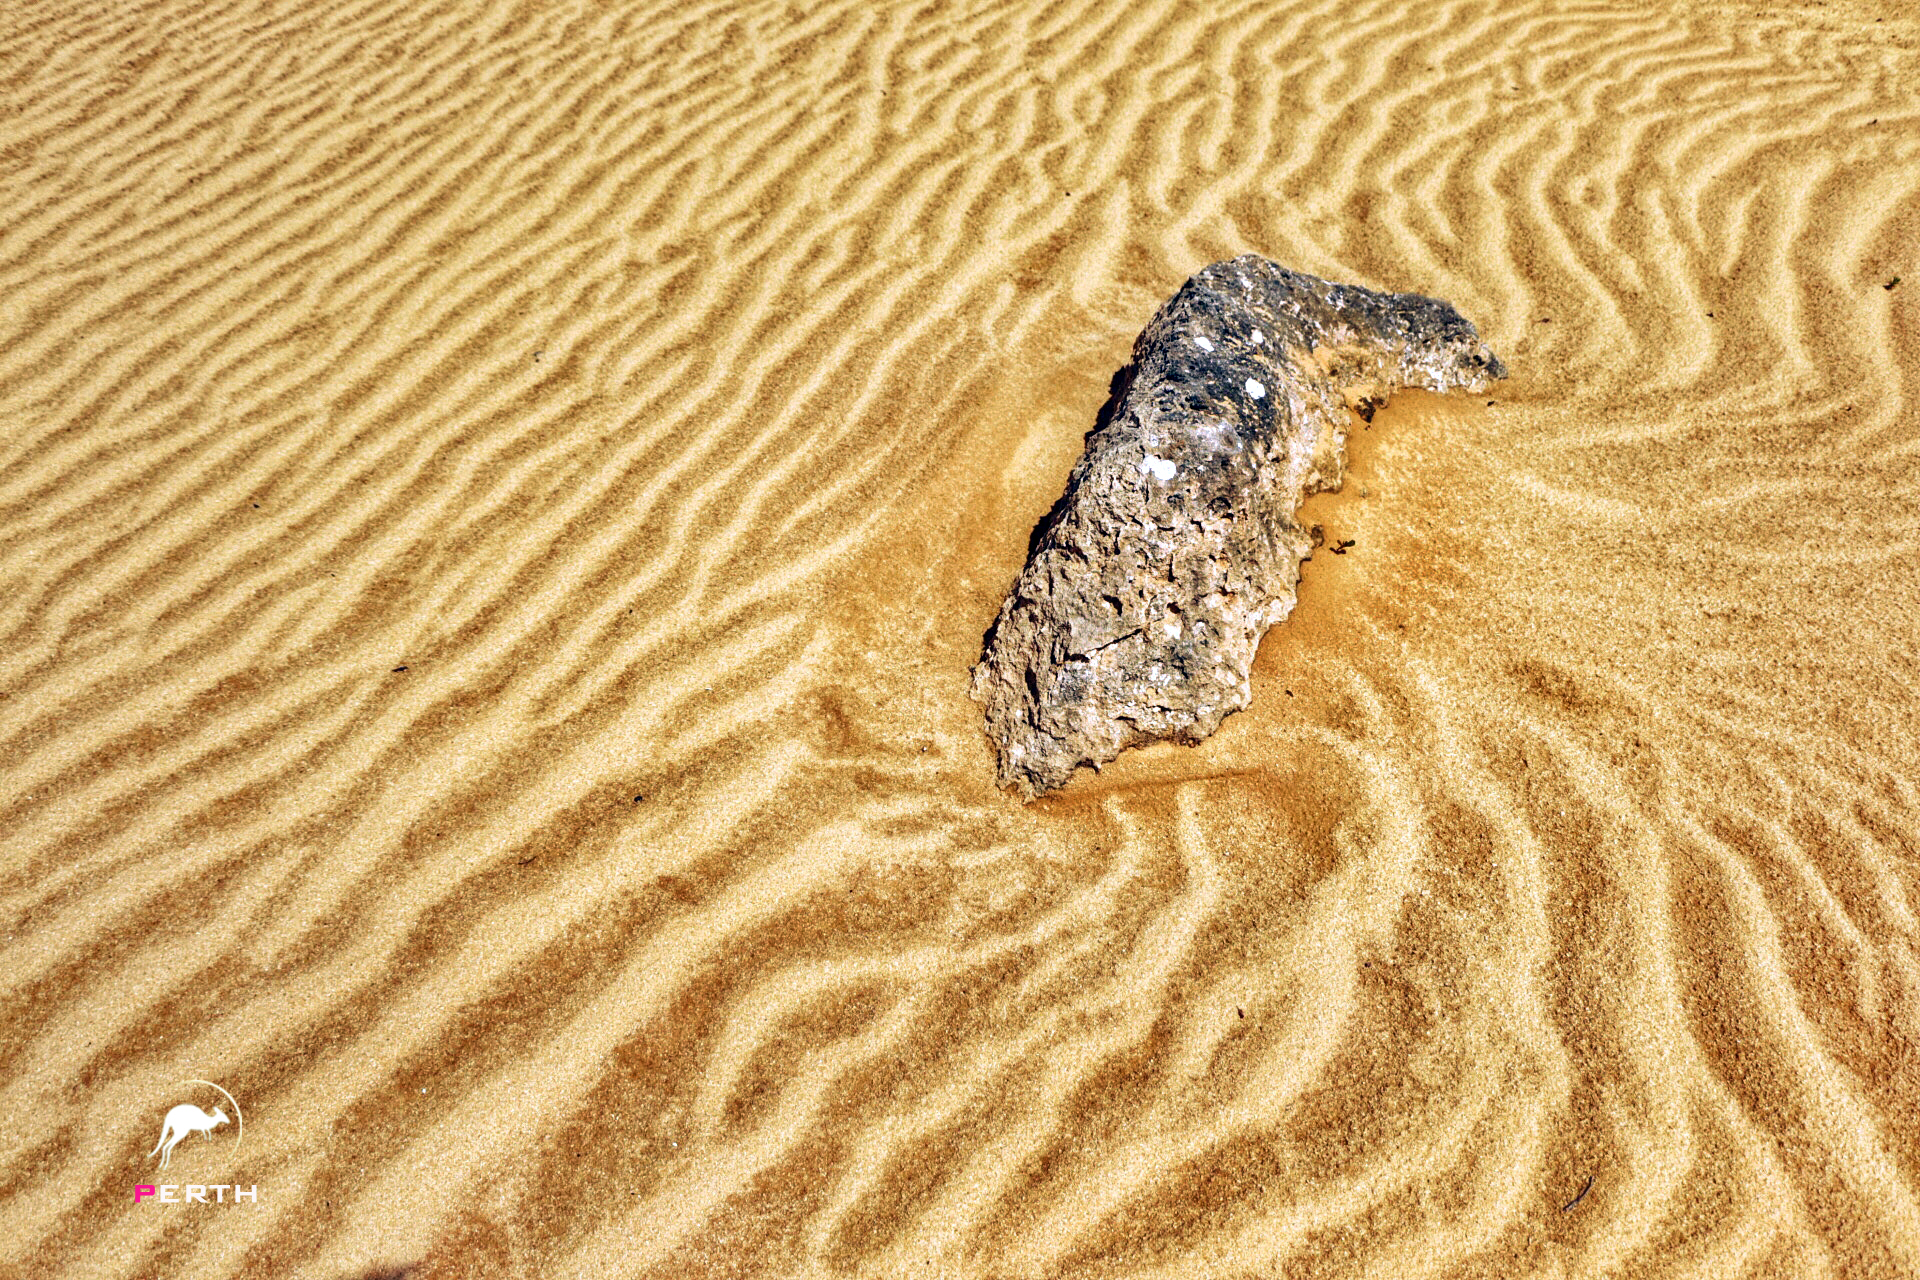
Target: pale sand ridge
{"x":498,"y":503}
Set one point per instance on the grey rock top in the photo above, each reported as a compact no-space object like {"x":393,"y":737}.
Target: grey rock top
{"x":1175,"y":546}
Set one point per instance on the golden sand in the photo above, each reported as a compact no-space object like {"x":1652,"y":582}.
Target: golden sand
{"x":498,"y":504}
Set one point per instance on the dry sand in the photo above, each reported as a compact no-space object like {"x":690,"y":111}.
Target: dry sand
{"x":498,"y":503}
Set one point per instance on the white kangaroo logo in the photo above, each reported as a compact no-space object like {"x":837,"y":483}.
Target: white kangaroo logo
{"x":181,"y":1121}
{"x":188,"y":1119}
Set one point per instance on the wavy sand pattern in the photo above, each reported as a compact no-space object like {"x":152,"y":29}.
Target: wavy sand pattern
{"x":498,"y":503}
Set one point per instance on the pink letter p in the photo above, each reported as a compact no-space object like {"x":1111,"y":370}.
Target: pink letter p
{"x":141,"y":1193}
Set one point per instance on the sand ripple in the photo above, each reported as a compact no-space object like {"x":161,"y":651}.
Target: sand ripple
{"x":498,"y":502}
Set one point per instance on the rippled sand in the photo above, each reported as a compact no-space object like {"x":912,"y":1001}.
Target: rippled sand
{"x":498,"y":504}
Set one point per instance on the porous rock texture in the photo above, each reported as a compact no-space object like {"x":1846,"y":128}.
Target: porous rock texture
{"x":1176,"y":545}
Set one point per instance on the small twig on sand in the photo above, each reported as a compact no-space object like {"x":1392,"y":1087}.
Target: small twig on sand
{"x":1577,"y":1199}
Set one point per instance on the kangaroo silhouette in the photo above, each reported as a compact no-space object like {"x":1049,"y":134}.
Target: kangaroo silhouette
{"x":181,"y":1121}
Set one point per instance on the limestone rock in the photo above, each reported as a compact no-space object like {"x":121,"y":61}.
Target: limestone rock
{"x":1176,"y":546}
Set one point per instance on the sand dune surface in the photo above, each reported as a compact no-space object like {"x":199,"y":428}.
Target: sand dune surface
{"x":498,"y":503}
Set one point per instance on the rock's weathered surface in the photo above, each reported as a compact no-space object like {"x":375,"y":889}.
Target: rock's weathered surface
{"x":1175,"y":546}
